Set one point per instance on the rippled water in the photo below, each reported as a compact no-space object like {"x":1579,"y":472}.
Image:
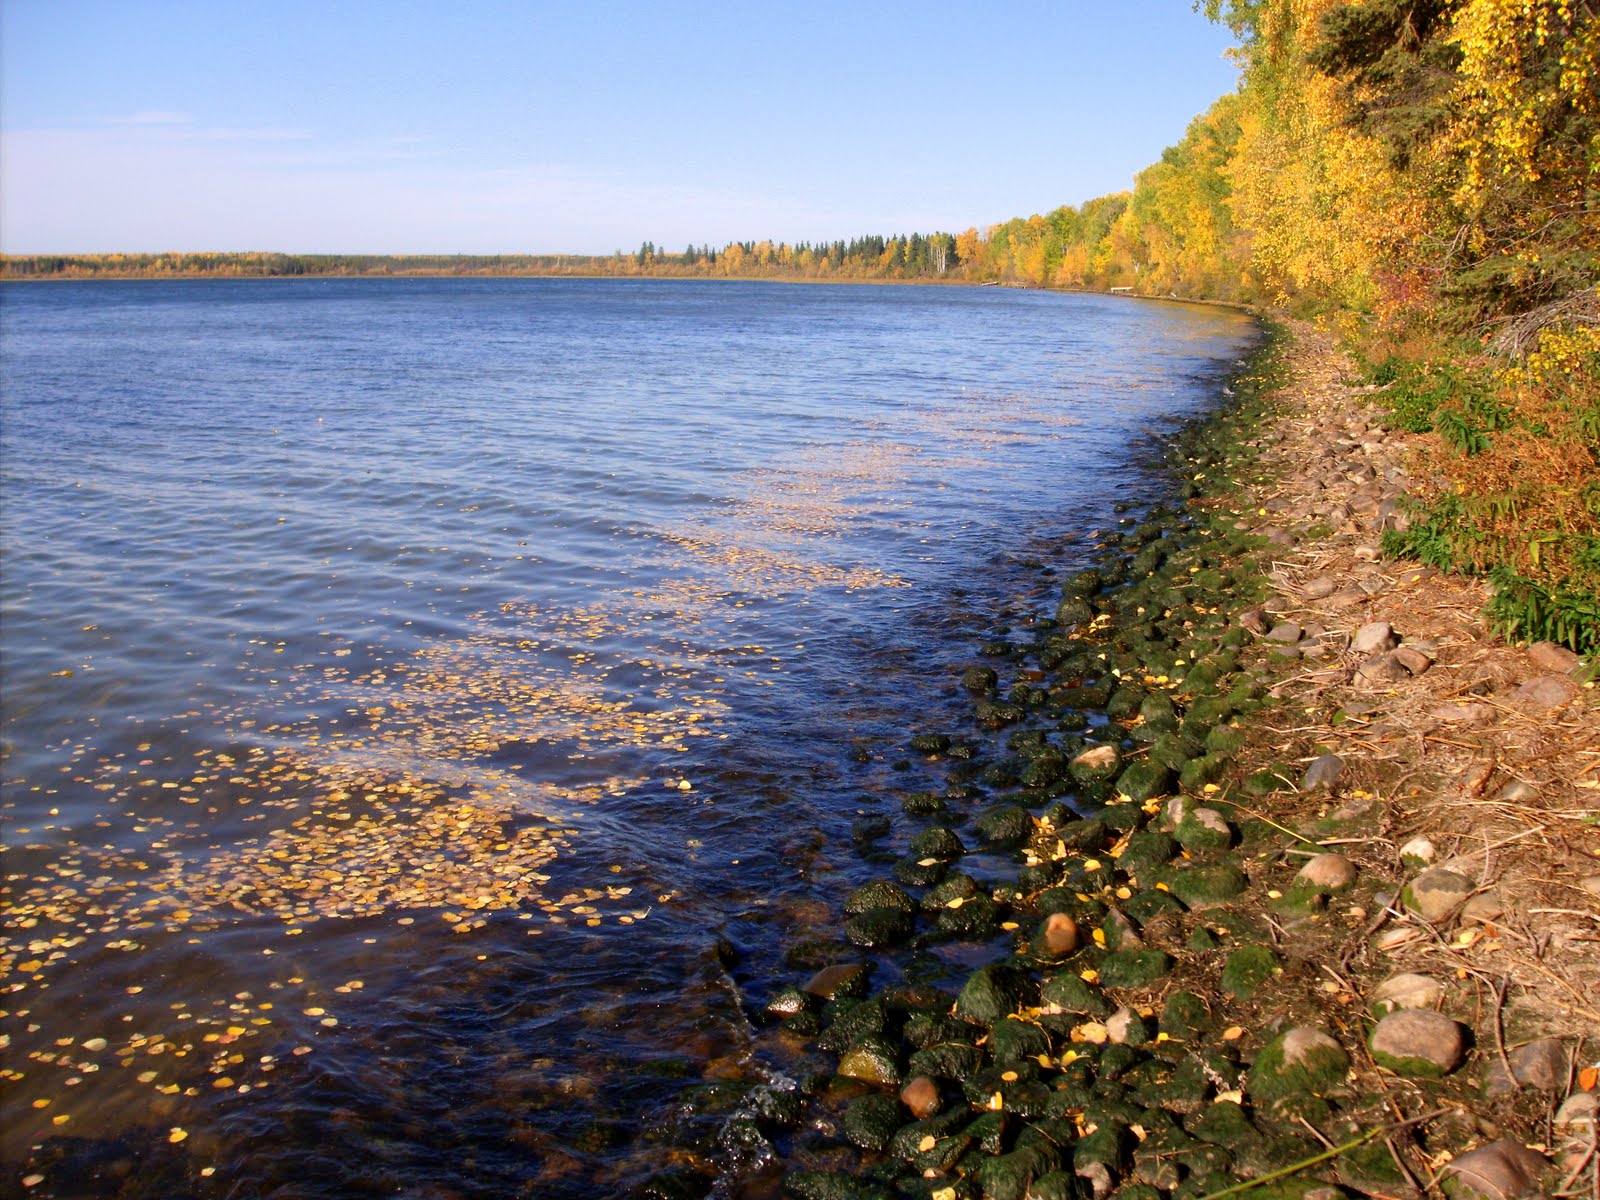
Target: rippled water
{"x":432,"y":706}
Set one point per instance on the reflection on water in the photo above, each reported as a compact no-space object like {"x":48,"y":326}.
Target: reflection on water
{"x":429,"y":704}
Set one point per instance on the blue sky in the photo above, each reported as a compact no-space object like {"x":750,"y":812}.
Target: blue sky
{"x":482,"y":126}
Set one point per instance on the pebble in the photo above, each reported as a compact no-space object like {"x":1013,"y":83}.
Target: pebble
{"x":1060,"y":935}
{"x":1287,"y":632}
{"x":1333,"y":872}
{"x":1408,"y":990}
{"x":1320,"y":588}
{"x":921,"y":1096}
{"x":1418,"y":851}
{"x":1503,"y":1170}
{"x":1419,"y":1042}
{"x":1590,"y":884}
{"x":1322,"y":772}
{"x":1374,"y":638}
{"x":1437,"y":892}
{"x":1518,"y":792}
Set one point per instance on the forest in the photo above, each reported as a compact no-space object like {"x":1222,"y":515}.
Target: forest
{"x":1421,"y":175}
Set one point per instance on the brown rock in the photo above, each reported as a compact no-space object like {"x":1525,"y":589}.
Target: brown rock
{"x":832,"y":981}
{"x":1373,"y":638}
{"x":1551,"y":658}
{"x":1412,"y":660}
{"x":1383,"y":668}
{"x":1255,"y":620}
{"x":1060,"y":935}
{"x":921,"y":1096}
{"x":1545,"y":693}
{"x":1287,"y":632}
{"x":1430,"y":1040}
{"x":1503,"y":1170}
{"x":1330,"y":872}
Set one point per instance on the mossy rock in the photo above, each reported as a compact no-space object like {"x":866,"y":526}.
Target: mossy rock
{"x":980,"y":679}
{"x":994,"y":714}
{"x":1074,"y":610}
{"x":1203,"y":830}
{"x":870,"y":1121}
{"x":1151,"y":902}
{"x":994,"y":991}
{"x":872,"y":1059}
{"x":1134,"y":968}
{"x":937,"y":842}
{"x":851,"y":1022}
{"x":1203,"y":886}
{"x":929,"y":1028}
{"x":878,"y":927}
{"x":924,"y":804}
{"x":1247,"y":969}
{"x":878,"y":894}
{"x":834,"y":1185}
{"x":1006,"y":823}
{"x":1012,"y":1040}
{"x":1225,"y":740}
{"x":1088,"y":835}
{"x":917,"y":871}
{"x":1147,"y":850}
{"x":1011,"y":1176}
{"x":1222,"y":1124}
{"x":1173,"y":750}
{"x":1300,"y":1060}
{"x":1198,"y":772}
{"x":1186,"y":1016}
{"x":1144,"y":780}
{"x":1265,"y":782}
{"x":1107,"y":1146}
{"x":975,"y":918}
{"x":1120,"y":818}
{"x":1072,"y":994}
{"x":945,"y":1060}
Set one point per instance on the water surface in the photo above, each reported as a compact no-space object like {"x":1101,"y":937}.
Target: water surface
{"x":433,"y":705}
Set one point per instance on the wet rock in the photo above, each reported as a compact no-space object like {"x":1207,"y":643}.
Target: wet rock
{"x":870,"y":1121}
{"x":937,"y":842}
{"x":1545,"y":693}
{"x":1418,"y":1043}
{"x":878,"y":894}
{"x":1436,"y":893}
{"x":1006,"y":823}
{"x":1059,"y":936}
{"x":1202,"y":830}
{"x":946,"y":1060}
{"x":834,"y":1185}
{"x":843,"y":981}
{"x":787,"y":1003}
{"x":980,"y":679}
{"x":919,"y":872}
{"x":1327,"y":873}
{"x":877,"y":927}
{"x":1503,"y":1170}
{"x":1405,"y":991}
{"x":871,"y":1060}
{"x":1247,"y":969}
{"x":921,"y":1096}
{"x":1302,"y":1059}
{"x":1323,"y":772}
{"x":1551,"y":658}
{"x":1373,"y":638}
{"x":1013,"y":1041}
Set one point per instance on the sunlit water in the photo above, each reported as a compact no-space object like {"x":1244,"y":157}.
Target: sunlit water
{"x":433,"y":706}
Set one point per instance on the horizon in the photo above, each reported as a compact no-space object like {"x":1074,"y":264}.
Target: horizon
{"x":387,"y":130}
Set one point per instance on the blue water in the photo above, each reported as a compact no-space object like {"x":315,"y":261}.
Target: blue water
{"x":431,"y":706}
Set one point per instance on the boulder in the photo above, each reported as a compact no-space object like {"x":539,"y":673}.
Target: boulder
{"x":1419,"y":1042}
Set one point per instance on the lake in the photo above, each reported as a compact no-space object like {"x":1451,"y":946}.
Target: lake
{"x":435,"y":708}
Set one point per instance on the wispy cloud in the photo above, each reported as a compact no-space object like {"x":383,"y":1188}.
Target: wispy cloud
{"x":151,"y":117}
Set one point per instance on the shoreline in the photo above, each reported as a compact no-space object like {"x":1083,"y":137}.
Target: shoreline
{"x":1332,"y":926}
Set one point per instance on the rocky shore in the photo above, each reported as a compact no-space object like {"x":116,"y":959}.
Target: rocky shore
{"x":1261,"y":865}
